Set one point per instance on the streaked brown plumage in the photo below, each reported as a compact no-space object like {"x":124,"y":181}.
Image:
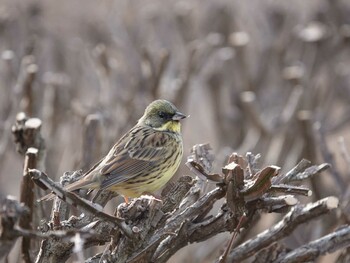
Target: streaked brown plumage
{"x":144,"y":159}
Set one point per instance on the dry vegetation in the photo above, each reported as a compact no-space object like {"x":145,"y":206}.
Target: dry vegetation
{"x":256,"y":76}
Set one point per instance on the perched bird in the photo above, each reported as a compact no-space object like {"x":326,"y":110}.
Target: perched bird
{"x":144,"y":159}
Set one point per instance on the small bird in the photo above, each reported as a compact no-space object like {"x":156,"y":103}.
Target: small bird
{"x":143,"y":160}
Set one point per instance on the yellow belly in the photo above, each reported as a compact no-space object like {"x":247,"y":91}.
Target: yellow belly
{"x":149,"y":184}
{"x":137,"y":189}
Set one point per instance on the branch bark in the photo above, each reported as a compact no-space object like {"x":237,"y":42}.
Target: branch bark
{"x":327,"y":244}
{"x":298,"y":215}
{"x":27,"y":198}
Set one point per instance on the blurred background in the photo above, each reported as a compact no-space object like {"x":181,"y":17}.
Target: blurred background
{"x":270,"y":77}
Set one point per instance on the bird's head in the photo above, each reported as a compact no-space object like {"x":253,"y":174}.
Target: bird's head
{"x":162,"y":115}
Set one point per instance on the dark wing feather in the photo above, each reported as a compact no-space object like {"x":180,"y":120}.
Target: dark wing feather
{"x":137,"y":152}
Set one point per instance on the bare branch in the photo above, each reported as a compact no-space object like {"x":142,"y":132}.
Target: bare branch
{"x":299,"y":168}
{"x":298,"y":215}
{"x":10,"y":212}
{"x":275,"y":204}
{"x":291,"y":189}
{"x":248,"y":99}
{"x":328,"y":157}
{"x":75,"y":200}
{"x":270,"y":253}
{"x":91,"y":140}
{"x":27,"y":198}
{"x":337,"y":240}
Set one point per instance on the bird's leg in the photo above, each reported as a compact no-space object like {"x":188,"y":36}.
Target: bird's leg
{"x":126,"y":199}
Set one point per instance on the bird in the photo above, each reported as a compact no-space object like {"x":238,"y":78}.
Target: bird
{"x":143,"y":160}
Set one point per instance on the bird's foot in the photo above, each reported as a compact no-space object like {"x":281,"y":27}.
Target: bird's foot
{"x":152,"y":197}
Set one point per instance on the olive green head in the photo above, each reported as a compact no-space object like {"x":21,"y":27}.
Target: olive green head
{"x":162,"y":115}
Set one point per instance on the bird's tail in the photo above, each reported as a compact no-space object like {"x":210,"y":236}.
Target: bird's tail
{"x":83,"y":183}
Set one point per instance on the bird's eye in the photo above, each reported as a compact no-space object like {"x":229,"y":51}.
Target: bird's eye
{"x":161,"y":114}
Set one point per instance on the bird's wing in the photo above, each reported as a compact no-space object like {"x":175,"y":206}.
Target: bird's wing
{"x":136,"y":153}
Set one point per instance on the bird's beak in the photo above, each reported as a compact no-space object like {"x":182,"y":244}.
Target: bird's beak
{"x":178,"y":116}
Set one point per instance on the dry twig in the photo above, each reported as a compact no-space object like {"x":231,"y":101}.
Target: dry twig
{"x":298,"y":215}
